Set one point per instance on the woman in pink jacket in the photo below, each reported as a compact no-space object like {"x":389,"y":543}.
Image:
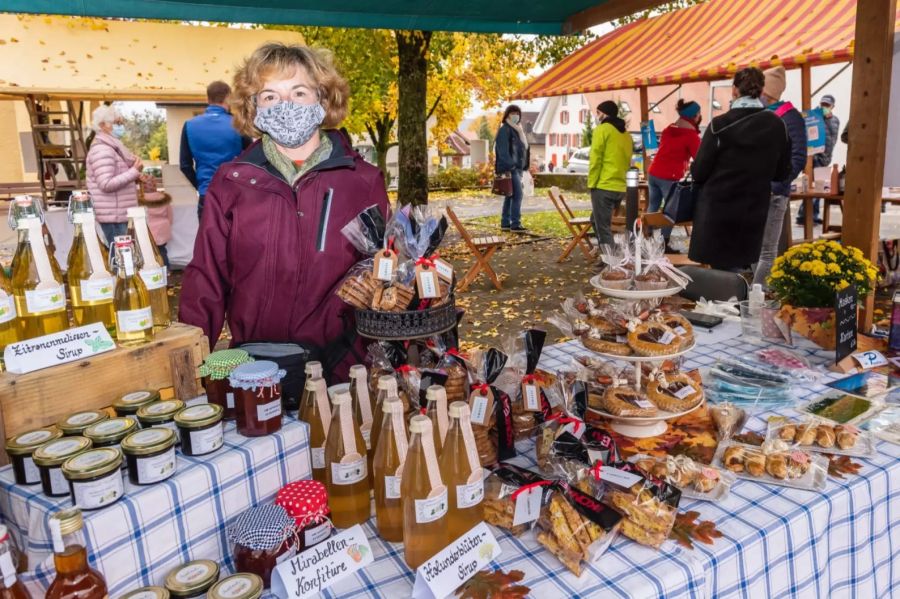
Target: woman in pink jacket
{"x":112,"y":173}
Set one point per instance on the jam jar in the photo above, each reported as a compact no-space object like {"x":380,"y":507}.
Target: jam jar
{"x":257,"y":397}
{"x":263,"y":537}
{"x":110,"y":433}
{"x":147,"y":593}
{"x":192,"y":579}
{"x":49,"y":459}
{"x":94,"y":478}
{"x":237,"y":586}
{"x":128,"y":404}
{"x":306,"y":501}
{"x":160,"y":414}
{"x":20,"y":450}
{"x":215,"y":371}
{"x":150,"y":454}
{"x":74,"y":424}
{"x":201,"y":429}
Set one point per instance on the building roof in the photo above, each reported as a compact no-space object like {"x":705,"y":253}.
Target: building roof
{"x":528,"y":122}
{"x":457,"y":145}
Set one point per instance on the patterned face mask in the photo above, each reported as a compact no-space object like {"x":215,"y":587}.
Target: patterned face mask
{"x":290,"y":124}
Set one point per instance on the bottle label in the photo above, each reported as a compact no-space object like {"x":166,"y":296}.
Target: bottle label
{"x":229,"y":400}
{"x":154,"y":278}
{"x":429,"y":510}
{"x":156,"y":468}
{"x":318,"y":457}
{"x":58,"y":483}
{"x":469,"y":495}
{"x":317,"y":534}
{"x":7,"y":308}
{"x":132,"y":321}
{"x":392,"y":487}
{"x":32,"y":475}
{"x":97,"y":290}
{"x":350,"y":473}
{"x":269,"y":411}
{"x":208,"y":440}
{"x":98,"y":493}
{"x":45,"y":300}
{"x":7,"y":569}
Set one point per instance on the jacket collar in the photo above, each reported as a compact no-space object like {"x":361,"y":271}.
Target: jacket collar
{"x":341,"y":156}
{"x":210,"y":109}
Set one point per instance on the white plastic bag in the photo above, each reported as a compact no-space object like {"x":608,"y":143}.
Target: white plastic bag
{"x":527,"y":184}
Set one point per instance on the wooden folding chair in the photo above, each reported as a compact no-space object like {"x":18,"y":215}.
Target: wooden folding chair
{"x":482,"y":249}
{"x":579,"y":226}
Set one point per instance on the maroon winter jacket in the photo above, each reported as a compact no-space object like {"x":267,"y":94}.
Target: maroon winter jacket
{"x":270,"y":256}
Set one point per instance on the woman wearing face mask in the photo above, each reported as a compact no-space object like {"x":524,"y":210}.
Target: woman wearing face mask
{"x":512,"y":157}
{"x":112,"y":171}
{"x":269,"y":254}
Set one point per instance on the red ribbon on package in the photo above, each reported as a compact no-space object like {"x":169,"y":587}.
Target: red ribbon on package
{"x":595,"y":469}
{"x":404,"y":369}
{"x":482,"y":388}
{"x":529,"y":379}
{"x":423,"y":261}
{"x":529,"y":486}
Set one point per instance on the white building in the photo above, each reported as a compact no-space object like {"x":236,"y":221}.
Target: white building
{"x":562,"y":121}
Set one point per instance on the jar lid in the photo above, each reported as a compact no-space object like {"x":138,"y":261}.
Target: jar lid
{"x":70,"y":520}
{"x":305,"y":501}
{"x":160,"y":411}
{"x":250,"y":375}
{"x":192,"y":578}
{"x":74,"y":424}
{"x":26,"y":443}
{"x":132,"y":401}
{"x":261,"y":528}
{"x":92,"y":463}
{"x":147,"y":593}
{"x":237,"y":586}
{"x":56,"y":452}
{"x":219,"y":364}
{"x":114,"y":429}
{"x":199,"y":416}
{"x":149,"y":440}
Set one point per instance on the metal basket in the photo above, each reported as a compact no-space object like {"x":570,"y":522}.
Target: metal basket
{"x":410,"y":324}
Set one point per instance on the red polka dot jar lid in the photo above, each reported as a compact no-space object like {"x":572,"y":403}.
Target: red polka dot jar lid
{"x":304,"y":500}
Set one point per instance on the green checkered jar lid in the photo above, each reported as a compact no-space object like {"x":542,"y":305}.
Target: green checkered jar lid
{"x":219,"y":364}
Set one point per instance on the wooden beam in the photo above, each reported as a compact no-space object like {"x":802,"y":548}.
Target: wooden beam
{"x":806,"y":104}
{"x":645,"y":116}
{"x":869,"y":103}
{"x":607,"y":11}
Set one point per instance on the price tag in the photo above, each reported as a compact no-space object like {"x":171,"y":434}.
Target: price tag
{"x":643,"y":403}
{"x":684,"y":392}
{"x":620,"y":477}
{"x":385,"y":265}
{"x":571,"y":429}
{"x":481,"y":403}
{"x":870,"y":359}
{"x":667,"y":338}
{"x":532,"y":397}
{"x":528,"y":506}
{"x":444,"y":269}
{"x":427,"y":282}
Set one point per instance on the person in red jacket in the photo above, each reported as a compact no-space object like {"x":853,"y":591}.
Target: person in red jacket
{"x":677,"y":146}
{"x":269,"y":254}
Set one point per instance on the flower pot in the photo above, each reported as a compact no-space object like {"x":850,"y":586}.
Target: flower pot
{"x":815,"y":324}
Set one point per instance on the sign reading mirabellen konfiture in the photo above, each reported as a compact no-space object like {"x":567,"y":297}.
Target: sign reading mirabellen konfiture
{"x":58,"y":348}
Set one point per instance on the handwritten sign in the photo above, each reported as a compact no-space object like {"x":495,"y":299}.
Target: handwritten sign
{"x":845,"y":322}
{"x":311,"y":572}
{"x":58,"y":348}
{"x":870,"y":359}
{"x":441,"y":575}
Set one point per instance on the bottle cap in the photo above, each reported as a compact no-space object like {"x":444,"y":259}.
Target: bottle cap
{"x":313,"y":369}
{"x":387,"y":383}
{"x":434,"y":393}
{"x":341,"y":397}
{"x":316,"y":384}
{"x":358,"y":371}
{"x":391,"y":405}
{"x":420,"y":424}
{"x":456,"y":409}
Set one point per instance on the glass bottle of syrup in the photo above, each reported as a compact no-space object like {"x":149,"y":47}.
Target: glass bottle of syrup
{"x":347,"y":473}
{"x":387,"y":387}
{"x":134,"y":317}
{"x":153,"y":272}
{"x":75,"y":579}
{"x":311,"y":370}
{"x":26,"y":206}
{"x":362,"y":403}
{"x":436,"y":410}
{"x":91,"y":285}
{"x":9,"y":323}
{"x":387,"y":471}
{"x":10,"y":585}
{"x":424,"y":496}
{"x":462,"y":473}
{"x":37,"y":284}
{"x":316,"y":412}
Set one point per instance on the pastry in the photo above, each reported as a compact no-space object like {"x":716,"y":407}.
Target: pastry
{"x":395,"y":298}
{"x":646,"y":465}
{"x":615,"y":279}
{"x":571,"y":562}
{"x":359,"y":290}
{"x":728,"y":418}
{"x":846,"y":436}
{"x":680,"y":325}
{"x":797,"y":463}
{"x":734,"y":458}
{"x":787,"y":432}
{"x":596,"y":341}
{"x":653,"y":339}
{"x":500,"y":512}
{"x":755,"y":463}
{"x":825,"y":436}
{"x":674,"y":393}
{"x":707,"y":479}
{"x":776,"y":465}
{"x":806,"y":435}
{"x":624,"y":401}
{"x":542,"y":447}
{"x":652,"y":280}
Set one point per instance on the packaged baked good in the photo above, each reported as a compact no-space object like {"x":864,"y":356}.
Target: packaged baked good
{"x":626,"y":401}
{"x":813,"y":434}
{"x":674,"y":393}
{"x":648,"y":504}
{"x":618,"y":272}
{"x":774,"y":462}
{"x":359,"y":287}
{"x":490,"y":407}
{"x":500,"y":488}
{"x":695,"y":480}
{"x":453,"y":364}
{"x":388,"y":359}
{"x":657,"y":273}
{"x":526,"y":385}
{"x":417,"y":233}
{"x":728,"y":418}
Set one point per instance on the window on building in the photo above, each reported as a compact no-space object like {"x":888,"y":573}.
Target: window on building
{"x":564,"y":117}
{"x":553,"y":139}
{"x":576,"y":140}
{"x":625,"y":106}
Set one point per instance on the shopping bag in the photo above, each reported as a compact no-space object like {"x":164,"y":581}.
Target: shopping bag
{"x":527,"y":184}
{"x":679,"y":202}
{"x":503,"y":185}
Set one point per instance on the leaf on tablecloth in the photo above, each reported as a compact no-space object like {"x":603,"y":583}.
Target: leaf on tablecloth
{"x":687,"y":530}
{"x":839,"y":465}
{"x":749,"y":438}
{"x":699,"y":453}
{"x":494,"y":585}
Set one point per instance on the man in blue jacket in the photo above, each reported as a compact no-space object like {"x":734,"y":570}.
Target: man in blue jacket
{"x":208,"y":140}
{"x":781,"y":190}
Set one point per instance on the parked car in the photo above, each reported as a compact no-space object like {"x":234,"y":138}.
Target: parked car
{"x":581,"y":158}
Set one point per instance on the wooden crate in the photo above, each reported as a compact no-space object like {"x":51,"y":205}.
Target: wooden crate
{"x":40,"y":398}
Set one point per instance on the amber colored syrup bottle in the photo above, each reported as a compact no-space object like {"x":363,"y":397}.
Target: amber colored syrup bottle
{"x":346,"y":466}
{"x":462,"y":473}
{"x":389,"y":457}
{"x":424,"y":497}
{"x":75,"y":579}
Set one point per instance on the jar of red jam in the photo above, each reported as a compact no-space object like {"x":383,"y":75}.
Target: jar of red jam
{"x":263,"y":537}
{"x":306,"y":501}
{"x":257,"y":397}
{"x":215,"y":370}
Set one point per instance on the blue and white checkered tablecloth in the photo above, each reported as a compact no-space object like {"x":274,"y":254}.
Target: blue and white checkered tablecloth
{"x":154,"y":528}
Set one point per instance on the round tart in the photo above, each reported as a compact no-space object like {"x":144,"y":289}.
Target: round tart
{"x":653,"y":339}
{"x":595,"y":341}
{"x":674,"y":393}
{"x":680,"y":325}
{"x":625,"y":401}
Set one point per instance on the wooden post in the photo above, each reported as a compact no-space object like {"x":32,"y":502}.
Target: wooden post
{"x":645,"y":116}
{"x":869,"y":102}
{"x":806,"y":102}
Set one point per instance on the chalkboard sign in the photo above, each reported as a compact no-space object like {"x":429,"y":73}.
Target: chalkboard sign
{"x":845,"y":322}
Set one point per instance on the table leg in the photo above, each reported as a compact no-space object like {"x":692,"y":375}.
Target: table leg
{"x":808,"y":219}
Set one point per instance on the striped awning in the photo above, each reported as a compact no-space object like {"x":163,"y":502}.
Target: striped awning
{"x":705,"y":42}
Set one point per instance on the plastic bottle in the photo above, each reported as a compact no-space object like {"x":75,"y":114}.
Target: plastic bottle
{"x":134,"y":318}
{"x":316,"y":412}
{"x":462,"y":473}
{"x":388,"y":470}
{"x":153,"y":272}
{"x":425,"y":501}
{"x":347,"y":474}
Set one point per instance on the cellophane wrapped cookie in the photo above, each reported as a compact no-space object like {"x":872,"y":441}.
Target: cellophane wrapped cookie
{"x":648,"y":504}
{"x":527,"y":386}
{"x":696,"y":480}
{"x":500,"y":496}
{"x":485,"y":368}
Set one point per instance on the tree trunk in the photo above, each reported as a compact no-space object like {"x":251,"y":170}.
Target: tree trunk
{"x":412,"y":51}
{"x":380,"y":135}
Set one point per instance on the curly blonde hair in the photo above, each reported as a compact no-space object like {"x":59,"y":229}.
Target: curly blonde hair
{"x":282,"y":59}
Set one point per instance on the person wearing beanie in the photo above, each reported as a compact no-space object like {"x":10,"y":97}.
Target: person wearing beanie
{"x":741,"y":153}
{"x":611,"y":150}
{"x":823,"y":158}
{"x":778,"y":220}
{"x":678,"y":144}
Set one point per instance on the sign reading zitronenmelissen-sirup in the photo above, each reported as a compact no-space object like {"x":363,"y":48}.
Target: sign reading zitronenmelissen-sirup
{"x":58,"y":348}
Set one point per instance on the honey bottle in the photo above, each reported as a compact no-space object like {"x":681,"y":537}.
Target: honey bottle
{"x":316,"y":412}
{"x":311,"y":370}
{"x":462,"y":473}
{"x":347,"y":474}
{"x":37,"y":284}
{"x":10,"y":586}
{"x":134,"y":318}
{"x":91,"y":285}
{"x":362,"y":403}
{"x":424,"y":496}
{"x":388,"y":470}
{"x":9,"y":323}
{"x":436,"y":410}
{"x":75,"y":579}
{"x":153,"y":272}
{"x":387,"y":387}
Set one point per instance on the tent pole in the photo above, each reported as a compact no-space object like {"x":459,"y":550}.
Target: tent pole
{"x":832,"y":78}
{"x":869,"y":104}
{"x":806,"y":102}
{"x":645,"y":117}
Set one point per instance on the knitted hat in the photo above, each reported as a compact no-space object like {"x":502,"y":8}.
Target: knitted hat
{"x":775,"y":82}
{"x":689,"y":110}
{"x":609,"y":108}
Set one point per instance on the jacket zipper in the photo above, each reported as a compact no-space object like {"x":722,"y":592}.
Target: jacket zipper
{"x":323,"y":220}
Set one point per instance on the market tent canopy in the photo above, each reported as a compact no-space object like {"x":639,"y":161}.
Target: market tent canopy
{"x":94,"y":59}
{"x":705,"y":42}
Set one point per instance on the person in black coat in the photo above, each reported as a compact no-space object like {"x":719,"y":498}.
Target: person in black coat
{"x":741,"y":153}
{"x":512,"y":156}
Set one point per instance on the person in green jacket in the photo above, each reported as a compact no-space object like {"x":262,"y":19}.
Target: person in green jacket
{"x":611,"y":149}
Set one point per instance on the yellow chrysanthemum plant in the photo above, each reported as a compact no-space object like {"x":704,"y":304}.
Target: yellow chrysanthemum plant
{"x":808,"y":275}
